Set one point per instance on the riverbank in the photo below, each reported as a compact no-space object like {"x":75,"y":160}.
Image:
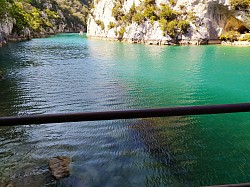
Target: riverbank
{"x":16,"y":38}
{"x":236,"y":43}
{"x":157,"y":42}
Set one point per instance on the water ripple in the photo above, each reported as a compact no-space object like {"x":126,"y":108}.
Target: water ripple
{"x":69,"y":73}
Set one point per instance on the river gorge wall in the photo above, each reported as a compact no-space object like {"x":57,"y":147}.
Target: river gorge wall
{"x":164,"y":21}
{"x":21,"y":20}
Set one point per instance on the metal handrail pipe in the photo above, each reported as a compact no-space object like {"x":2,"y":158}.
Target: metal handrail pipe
{"x":124,"y":114}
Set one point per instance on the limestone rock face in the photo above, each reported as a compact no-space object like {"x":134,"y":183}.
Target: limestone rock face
{"x":6,"y":26}
{"x":211,"y":16}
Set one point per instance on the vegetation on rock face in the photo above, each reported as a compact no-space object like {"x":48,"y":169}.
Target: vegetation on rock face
{"x":44,"y":16}
{"x":245,"y":37}
{"x":240,"y":4}
{"x":121,"y":32}
{"x":100,"y":23}
{"x":235,"y":36}
{"x":117,"y":13}
{"x":111,"y":25}
{"x":230,"y":36}
{"x":4,"y":7}
{"x":171,"y":22}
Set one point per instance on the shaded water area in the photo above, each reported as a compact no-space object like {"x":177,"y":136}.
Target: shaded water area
{"x":70,"y":73}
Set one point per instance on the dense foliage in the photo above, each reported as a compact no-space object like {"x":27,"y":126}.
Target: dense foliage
{"x":4,"y":7}
{"x":43,"y":15}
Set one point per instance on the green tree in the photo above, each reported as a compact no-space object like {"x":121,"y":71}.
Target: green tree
{"x":138,"y":18}
{"x":167,"y":13}
{"x":183,"y":25}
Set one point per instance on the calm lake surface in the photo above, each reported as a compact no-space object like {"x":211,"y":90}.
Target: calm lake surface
{"x":70,"y":73}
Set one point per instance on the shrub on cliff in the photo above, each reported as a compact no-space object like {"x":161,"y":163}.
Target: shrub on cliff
{"x":172,"y":2}
{"x":111,"y":25}
{"x":117,"y":12}
{"x":183,"y":25}
{"x":138,"y":18}
{"x":149,"y":12}
{"x":100,"y":23}
{"x":245,"y":37}
{"x":171,"y":28}
{"x":167,"y":13}
{"x":121,"y":32}
{"x":149,"y":2}
{"x":129,"y":16}
{"x":230,"y":36}
{"x":240,"y":4}
{"x":171,"y":21}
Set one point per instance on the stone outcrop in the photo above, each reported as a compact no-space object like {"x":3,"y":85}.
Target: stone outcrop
{"x":1,"y":75}
{"x":59,"y":166}
{"x":6,"y":26}
{"x":210,"y":19}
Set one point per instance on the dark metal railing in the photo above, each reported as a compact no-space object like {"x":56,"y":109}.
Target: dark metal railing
{"x":124,"y":114}
{"x":129,"y":114}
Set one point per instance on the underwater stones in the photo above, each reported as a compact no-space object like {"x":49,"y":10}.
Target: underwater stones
{"x":10,"y":185}
{"x":1,"y":75}
{"x":59,"y":166}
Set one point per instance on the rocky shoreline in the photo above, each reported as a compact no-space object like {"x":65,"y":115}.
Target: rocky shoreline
{"x":157,"y":42}
{"x":236,"y":43}
{"x":147,"y":42}
{"x":16,"y":38}
{"x":181,"y":42}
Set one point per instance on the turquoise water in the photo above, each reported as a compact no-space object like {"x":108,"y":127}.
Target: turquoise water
{"x":69,"y":73}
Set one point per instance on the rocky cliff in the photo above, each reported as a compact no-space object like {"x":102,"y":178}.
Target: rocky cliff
{"x":165,"y":21}
{"x":23,"y":19}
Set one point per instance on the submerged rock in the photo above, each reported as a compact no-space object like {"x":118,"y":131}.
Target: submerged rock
{"x":59,"y":166}
{"x":1,"y":75}
{"x":4,"y":183}
{"x":10,"y":185}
